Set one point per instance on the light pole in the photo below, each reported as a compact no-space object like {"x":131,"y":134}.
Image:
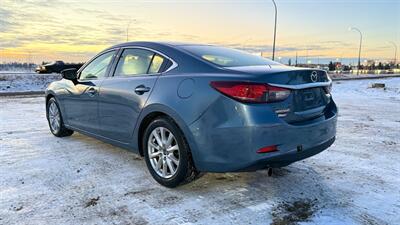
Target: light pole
{"x":395,"y":52}
{"x":359,"y":50}
{"x":276,"y":16}
{"x":127,"y":30}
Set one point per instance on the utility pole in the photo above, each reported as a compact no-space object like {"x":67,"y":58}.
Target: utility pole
{"x":127,"y":30}
{"x":306,"y":56}
{"x":395,"y":53}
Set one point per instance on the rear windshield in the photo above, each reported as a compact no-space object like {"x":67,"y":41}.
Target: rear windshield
{"x":227,"y":57}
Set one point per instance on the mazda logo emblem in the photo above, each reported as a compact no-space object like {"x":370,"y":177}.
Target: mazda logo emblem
{"x":314,"y":76}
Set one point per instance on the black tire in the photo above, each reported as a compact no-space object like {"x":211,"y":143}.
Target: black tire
{"x":62,"y":131}
{"x":185,"y":172}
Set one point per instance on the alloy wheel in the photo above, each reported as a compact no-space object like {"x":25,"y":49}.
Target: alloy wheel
{"x":54,"y":117}
{"x":163,"y":152}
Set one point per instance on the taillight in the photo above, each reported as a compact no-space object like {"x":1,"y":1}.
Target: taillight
{"x":251,"y":92}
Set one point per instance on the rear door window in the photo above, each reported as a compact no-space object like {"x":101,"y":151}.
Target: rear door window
{"x":135,"y":62}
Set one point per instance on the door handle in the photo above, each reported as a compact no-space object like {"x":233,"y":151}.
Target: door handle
{"x":141,"y":89}
{"x":92,"y":91}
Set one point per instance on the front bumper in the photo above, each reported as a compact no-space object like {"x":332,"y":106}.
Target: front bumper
{"x":227,"y":141}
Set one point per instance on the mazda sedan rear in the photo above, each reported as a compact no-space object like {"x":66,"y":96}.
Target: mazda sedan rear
{"x":190,"y":108}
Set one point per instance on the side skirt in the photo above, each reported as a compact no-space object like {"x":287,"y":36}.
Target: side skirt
{"x":126,"y":146}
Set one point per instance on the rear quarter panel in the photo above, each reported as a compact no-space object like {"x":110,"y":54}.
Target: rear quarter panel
{"x":184,"y":97}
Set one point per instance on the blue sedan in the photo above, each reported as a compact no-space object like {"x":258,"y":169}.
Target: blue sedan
{"x":190,"y":108}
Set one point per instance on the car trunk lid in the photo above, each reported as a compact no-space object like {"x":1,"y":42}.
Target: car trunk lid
{"x":310,"y":90}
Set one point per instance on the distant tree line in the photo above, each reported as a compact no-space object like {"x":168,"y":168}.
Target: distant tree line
{"x":16,"y":66}
{"x":334,"y":66}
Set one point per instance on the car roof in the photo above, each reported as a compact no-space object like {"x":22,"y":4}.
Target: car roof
{"x":153,"y":44}
{"x":174,"y":51}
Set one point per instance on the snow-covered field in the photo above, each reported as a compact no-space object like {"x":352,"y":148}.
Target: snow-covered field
{"x":361,"y":76}
{"x":24,"y":82}
{"x":79,"y":180}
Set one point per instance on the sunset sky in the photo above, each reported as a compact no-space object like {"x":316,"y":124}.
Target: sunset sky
{"x":72,"y":30}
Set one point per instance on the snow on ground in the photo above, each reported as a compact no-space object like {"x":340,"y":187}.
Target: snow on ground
{"x":23,"y":81}
{"x":80,"y":180}
{"x":340,"y":76}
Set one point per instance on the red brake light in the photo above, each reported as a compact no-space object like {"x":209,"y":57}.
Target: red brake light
{"x":251,"y":92}
{"x":267,"y":149}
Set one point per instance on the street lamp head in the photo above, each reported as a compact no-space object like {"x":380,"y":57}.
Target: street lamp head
{"x":355,"y":29}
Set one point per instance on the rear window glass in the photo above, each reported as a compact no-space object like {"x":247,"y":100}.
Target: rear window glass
{"x":227,"y":57}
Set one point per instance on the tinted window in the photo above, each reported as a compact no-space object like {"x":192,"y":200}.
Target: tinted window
{"x":138,"y":62}
{"x":98,"y":67}
{"x":227,"y":57}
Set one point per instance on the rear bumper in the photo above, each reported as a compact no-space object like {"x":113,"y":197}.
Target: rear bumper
{"x":227,"y":137}
{"x":288,"y":157}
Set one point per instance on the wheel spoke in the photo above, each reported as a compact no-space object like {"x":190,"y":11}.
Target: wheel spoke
{"x":164,"y":169}
{"x":169,"y":140}
{"x":170,"y":166}
{"x":52,"y":108}
{"x":153,"y":155}
{"x":173,"y":159}
{"x":159,"y":163}
{"x":162,"y":132}
{"x":157,"y":137}
{"x":154,"y":146}
{"x":173,"y":148}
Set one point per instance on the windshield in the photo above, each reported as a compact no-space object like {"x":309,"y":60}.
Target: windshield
{"x":227,"y":57}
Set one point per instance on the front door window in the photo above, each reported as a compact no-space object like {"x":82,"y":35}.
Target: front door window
{"x":98,"y":67}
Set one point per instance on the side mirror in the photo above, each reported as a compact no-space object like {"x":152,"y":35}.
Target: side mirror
{"x":69,"y":74}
